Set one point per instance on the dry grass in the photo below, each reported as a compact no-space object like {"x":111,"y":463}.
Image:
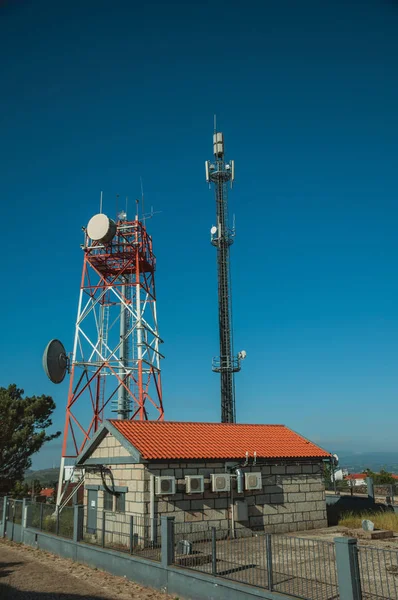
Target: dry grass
{"x":382,"y":520}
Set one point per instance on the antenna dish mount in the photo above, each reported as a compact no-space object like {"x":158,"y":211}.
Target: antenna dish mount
{"x":55,"y":361}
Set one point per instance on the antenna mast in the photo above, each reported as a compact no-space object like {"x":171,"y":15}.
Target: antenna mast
{"x":115,"y":363}
{"x":220,"y":174}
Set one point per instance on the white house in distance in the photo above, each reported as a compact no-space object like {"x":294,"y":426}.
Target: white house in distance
{"x":262,"y":477}
{"x":359,"y":479}
{"x":356,"y":479}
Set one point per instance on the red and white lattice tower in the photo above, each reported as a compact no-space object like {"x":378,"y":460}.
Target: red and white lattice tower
{"x":115,"y":363}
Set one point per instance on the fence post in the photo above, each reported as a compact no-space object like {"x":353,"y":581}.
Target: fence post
{"x":167,"y":551}
{"x":57,"y":521}
{"x":28,"y":513}
{"x":41,"y":516}
{"x":214,"y":551}
{"x":4,"y":517}
{"x":24,"y":509}
{"x":371,"y":491}
{"x":348,"y":568}
{"x":268,"y":545}
{"x":13,"y":520}
{"x":131,"y":533}
{"x":103,"y":528}
{"x":78,"y":515}
{"x":76,"y":522}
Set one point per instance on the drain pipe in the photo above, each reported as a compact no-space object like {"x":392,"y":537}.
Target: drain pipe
{"x":152,"y":506}
{"x":232,"y":513}
{"x":239,"y":480}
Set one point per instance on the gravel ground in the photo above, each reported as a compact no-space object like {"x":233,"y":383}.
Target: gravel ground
{"x":29,"y":574}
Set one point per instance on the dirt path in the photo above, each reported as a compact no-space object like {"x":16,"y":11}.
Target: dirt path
{"x":29,"y":574}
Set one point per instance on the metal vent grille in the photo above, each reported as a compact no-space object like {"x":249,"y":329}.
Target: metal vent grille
{"x":220,"y":482}
{"x":165,"y":485}
{"x":194,"y":484}
{"x":253,"y":481}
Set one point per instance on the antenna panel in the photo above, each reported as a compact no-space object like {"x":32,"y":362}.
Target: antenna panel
{"x":218,"y":144}
{"x":207,"y":171}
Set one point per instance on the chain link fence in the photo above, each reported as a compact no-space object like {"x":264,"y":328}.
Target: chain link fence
{"x":378,"y":568}
{"x":46,"y":517}
{"x":136,"y":534}
{"x":302,"y":568}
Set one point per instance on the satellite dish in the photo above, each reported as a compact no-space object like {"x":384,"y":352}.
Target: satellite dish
{"x":335,"y":459}
{"x":213,"y":230}
{"x":55,"y":361}
{"x":242,"y":354}
{"x":101,"y":228}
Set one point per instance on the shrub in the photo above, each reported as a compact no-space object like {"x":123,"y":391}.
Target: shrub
{"x":382,"y":520}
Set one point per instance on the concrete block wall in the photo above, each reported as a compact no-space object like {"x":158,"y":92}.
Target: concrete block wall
{"x":292,"y":497}
{"x":109,"y":447}
{"x":118,"y":524}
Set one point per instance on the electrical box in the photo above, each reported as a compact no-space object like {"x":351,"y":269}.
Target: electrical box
{"x":253,"y":481}
{"x":165,"y":486}
{"x":241,"y":511}
{"x":220,"y":482}
{"x":195,"y":484}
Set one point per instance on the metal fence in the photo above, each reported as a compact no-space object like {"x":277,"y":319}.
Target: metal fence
{"x":14,"y":511}
{"x":302,"y":568}
{"x":136,"y":534}
{"x":378,"y":568}
{"x":46,"y":517}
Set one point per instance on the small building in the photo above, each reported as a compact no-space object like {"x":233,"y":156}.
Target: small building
{"x":356,"y":479}
{"x":47,"y":493}
{"x":261,"y":477}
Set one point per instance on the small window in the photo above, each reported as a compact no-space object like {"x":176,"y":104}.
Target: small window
{"x":108,"y":501}
{"x":121,"y":503}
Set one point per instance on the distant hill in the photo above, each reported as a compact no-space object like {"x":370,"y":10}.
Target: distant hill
{"x":374,"y":461}
{"x":47,"y":477}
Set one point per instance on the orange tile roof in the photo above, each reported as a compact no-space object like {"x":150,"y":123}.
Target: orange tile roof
{"x":176,"y":440}
{"x":47,"y":492}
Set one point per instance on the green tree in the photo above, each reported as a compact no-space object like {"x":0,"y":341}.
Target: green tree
{"x":24,"y":421}
{"x":382,"y":478}
{"x":20,"y":490}
{"x":327,"y":476}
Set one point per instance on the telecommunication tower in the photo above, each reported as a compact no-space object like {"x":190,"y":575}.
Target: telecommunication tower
{"x":221,"y":173}
{"x":115,"y":362}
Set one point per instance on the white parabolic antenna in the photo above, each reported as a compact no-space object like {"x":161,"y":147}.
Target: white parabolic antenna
{"x":213,"y":230}
{"x":101,"y":228}
{"x":55,"y":361}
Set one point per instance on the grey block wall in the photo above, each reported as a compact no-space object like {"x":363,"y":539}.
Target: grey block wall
{"x":292,"y":497}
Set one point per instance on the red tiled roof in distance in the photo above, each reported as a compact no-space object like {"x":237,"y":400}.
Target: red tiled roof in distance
{"x":47,"y":492}
{"x":364,"y":476}
{"x":160,"y":440}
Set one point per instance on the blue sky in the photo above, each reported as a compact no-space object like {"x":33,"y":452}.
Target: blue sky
{"x":95,"y":95}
